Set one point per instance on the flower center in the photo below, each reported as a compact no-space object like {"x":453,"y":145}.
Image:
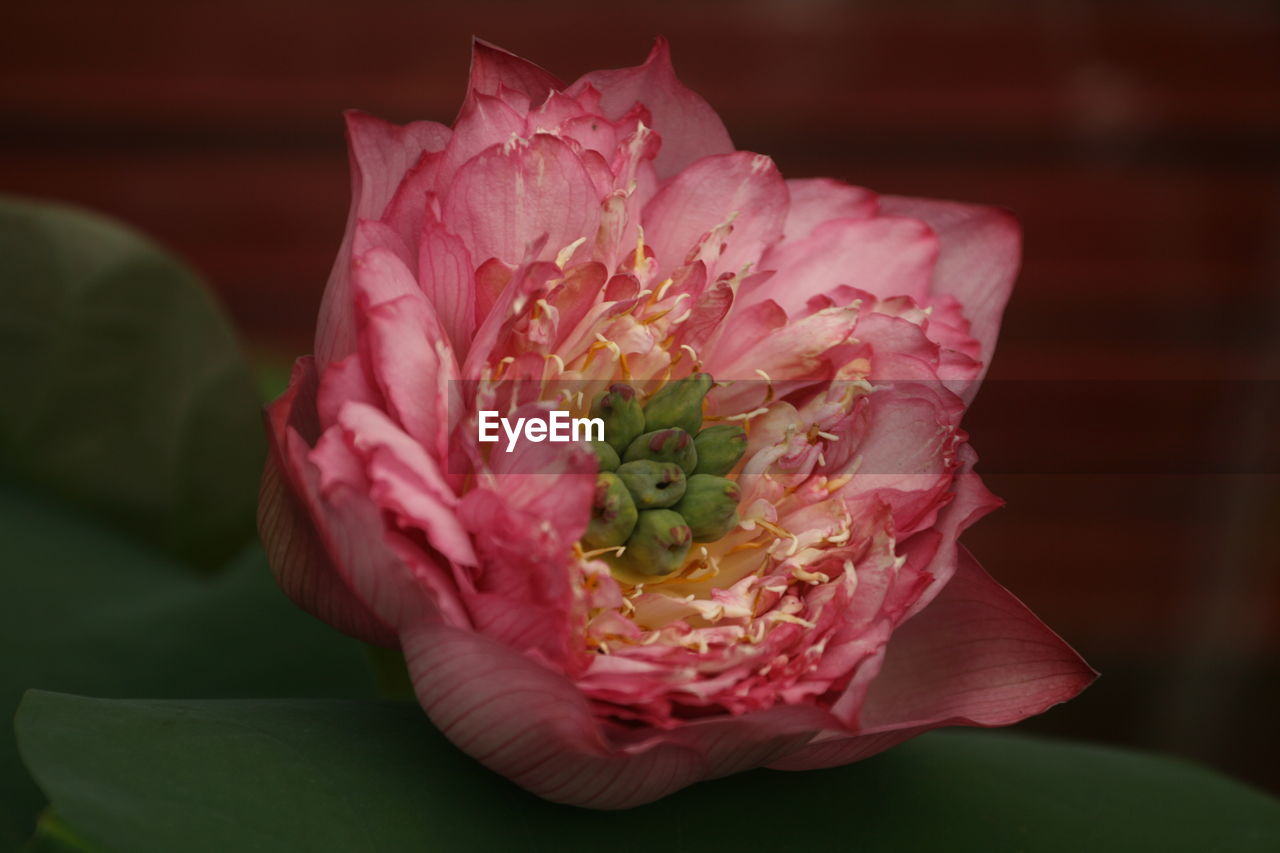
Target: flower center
{"x":662,"y":484}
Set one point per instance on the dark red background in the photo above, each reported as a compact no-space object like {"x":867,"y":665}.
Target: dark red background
{"x":1139,"y":143}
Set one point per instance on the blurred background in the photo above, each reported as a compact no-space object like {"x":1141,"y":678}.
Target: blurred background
{"x":1132,"y":420}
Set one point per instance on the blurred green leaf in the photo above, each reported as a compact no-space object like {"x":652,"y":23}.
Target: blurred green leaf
{"x":125,"y":391}
{"x":54,"y":836}
{"x":86,"y":610}
{"x":145,"y":775}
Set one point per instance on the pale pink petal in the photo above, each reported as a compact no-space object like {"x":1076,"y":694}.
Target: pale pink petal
{"x":447,"y":277}
{"x":976,"y":656}
{"x":408,"y":208}
{"x":380,"y":153}
{"x":512,"y":195}
{"x":885,"y":256}
{"x":818,"y":200}
{"x":981,"y":248}
{"x":738,"y":200}
{"x":689,"y":128}
{"x":485,"y":121}
{"x":492,"y":68}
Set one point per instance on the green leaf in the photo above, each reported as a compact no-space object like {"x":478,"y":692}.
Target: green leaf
{"x":54,"y":836}
{"x":87,"y":611}
{"x":125,"y":391}
{"x":147,"y":775}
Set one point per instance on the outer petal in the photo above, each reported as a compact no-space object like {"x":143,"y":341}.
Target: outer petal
{"x":493,"y":68}
{"x":511,"y":195}
{"x":381,"y":153}
{"x":689,"y":128}
{"x":742,"y":191}
{"x":535,"y":727}
{"x":976,"y":656}
{"x":980,"y":252}
{"x":382,"y":567}
{"x":297,"y":555}
{"x":531,"y":724}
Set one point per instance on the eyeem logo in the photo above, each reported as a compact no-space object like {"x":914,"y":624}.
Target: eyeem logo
{"x":558,"y":427}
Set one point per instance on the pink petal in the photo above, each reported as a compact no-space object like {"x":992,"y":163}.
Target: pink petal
{"x":403,"y":356}
{"x":405,"y":480}
{"x":380,"y":153}
{"x":390,"y":574}
{"x":447,"y":277}
{"x":507,"y":198}
{"x":793,"y":351}
{"x":980,"y":252}
{"x":485,"y":121}
{"x":885,"y":256}
{"x":741,"y":190}
{"x":371,"y":234}
{"x":380,"y":275}
{"x":296,"y":554}
{"x":689,"y":128}
{"x":343,"y":382}
{"x":413,"y":368}
{"x":492,"y":68}
{"x":531,"y":724}
{"x":906,"y":452}
{"x":534,"y":726}
{"x":818,"y":200}
{"x":302,"y":566}
{"x":976,"y":657}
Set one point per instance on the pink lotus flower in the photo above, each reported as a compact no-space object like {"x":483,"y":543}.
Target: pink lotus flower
{"x":608,"y":231}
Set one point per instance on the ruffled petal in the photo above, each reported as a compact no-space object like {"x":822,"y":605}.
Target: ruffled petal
{"x":392,"y":575}
{"x":296,"y":553}
{"x":981,"y":248}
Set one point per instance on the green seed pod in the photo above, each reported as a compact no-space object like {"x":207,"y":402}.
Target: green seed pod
{"x":613,"y":513}
{"x":664,"y":445}
{"x":678,"y":404}
{"x":659,"y":544}
{"x":608,"y":457}
{"x":709,"y":506}
{"x":719,"y":449}
{"x":622,"y":415}
{"x":652,"y":484}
